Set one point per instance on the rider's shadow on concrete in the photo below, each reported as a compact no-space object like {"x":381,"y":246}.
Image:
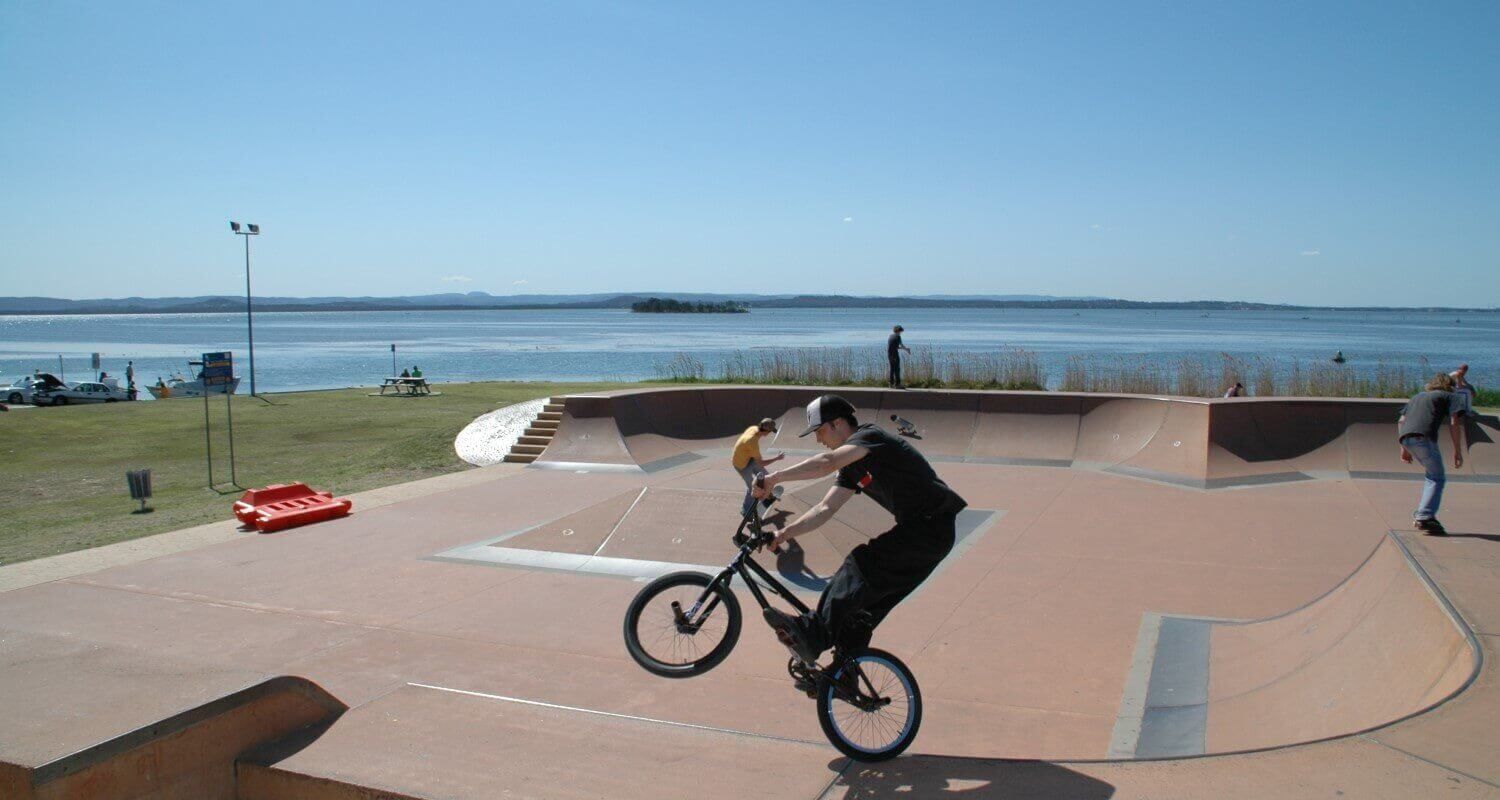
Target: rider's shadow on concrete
{"x":1489,"y":537}
{"x":936,"y":776}
{"x":791,"y":565}
{"x":791,"y":562}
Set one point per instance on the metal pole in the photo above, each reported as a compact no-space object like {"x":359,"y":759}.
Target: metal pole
{"x":249,"y":320}
{"x":393,"y":359}
{"x":208,"y":443}
{"x":62,"y":374}
{"x":229,"y":416}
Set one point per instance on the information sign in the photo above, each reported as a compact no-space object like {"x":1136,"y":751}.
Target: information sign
{"x":218,"y":369}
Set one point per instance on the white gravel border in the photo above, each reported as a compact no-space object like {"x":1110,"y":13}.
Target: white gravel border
{"x":489,"y":437}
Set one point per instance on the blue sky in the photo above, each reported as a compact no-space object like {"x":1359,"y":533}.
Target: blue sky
{"x":1340,"y":154}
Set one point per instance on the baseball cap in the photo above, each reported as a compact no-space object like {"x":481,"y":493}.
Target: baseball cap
{"x":825,"y":408}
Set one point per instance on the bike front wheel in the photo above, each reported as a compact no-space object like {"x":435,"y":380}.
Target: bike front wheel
{"x":872,"y":707}
{"x":682,"y":624}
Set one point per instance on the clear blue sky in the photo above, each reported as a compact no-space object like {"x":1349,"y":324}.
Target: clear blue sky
{"x":1284,"y":152}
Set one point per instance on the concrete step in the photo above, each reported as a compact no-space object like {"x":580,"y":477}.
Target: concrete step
{"x":531,"y":449}
{"x":554,"y":416}
{"x":558,"y":407}
{"x":520,"y":458}
{"x":558,"y":400}
{"x":541,"y":440}
{"x":540,"y":433}
{"x":550,"y":424}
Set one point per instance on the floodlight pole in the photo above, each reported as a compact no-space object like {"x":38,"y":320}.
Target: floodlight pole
{"x":252,"y":230}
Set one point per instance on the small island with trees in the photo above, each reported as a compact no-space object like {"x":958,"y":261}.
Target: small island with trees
{"x":656,"y":305}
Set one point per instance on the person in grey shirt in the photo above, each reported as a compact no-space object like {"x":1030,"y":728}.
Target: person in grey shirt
{"x":1417,"y":434}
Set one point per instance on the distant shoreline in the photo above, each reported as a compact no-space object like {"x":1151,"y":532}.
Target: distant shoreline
{"x":624,"y":302}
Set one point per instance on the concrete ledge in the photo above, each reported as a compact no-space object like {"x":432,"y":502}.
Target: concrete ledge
{"x":188,"y":755}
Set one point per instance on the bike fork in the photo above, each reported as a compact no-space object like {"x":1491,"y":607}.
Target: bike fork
{"x":684,"y":619}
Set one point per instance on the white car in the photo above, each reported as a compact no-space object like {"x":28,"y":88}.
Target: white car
{"x":21,"y":389}
{"x":93,"y":392}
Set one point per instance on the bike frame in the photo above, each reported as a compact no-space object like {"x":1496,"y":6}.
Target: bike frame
{"x":748,"y":569}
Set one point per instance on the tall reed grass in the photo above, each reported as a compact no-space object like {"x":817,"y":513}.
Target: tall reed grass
{"x":925,"y":367}
{"x":1016,"y":369}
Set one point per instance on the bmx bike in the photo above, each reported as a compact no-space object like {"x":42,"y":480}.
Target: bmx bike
{"x":686,"y":623}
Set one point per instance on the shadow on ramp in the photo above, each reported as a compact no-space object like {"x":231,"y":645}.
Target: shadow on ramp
{"x":939,"y":776}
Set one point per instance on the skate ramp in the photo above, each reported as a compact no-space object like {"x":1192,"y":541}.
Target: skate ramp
{"x":1259,"y":441}
{"x":1206,"y":444}
{"x":1379,"y":647}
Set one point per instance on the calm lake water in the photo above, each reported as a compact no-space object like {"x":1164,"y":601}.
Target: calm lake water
{"x":328,"y":350}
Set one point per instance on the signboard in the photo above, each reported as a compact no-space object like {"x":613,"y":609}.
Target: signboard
{"x":218,"y":369}
{"x":94,"y":362}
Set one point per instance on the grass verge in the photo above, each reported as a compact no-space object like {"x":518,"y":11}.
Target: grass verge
{"x":62,"y":486}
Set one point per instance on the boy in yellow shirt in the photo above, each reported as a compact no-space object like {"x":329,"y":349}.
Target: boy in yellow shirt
{"x":748,"y":461}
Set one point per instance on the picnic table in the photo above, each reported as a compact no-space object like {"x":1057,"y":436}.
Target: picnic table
{"x":406,"y":386}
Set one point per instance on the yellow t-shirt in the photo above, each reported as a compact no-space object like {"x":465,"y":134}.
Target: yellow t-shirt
{"x":747,"y":447}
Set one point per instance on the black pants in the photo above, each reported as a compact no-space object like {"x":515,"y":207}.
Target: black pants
{"x":895,"y":370}
{"x":877,"y":576}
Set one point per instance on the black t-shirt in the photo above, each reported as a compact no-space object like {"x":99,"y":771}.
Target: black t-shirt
{"x":897,"y":477}
{"x":891,"y":344}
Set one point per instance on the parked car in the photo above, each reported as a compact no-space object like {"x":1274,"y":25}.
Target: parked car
{"x":21,"y":389}
{"x":90,"y":392}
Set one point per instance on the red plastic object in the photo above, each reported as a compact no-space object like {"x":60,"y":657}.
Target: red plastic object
{"x":286,"y":505}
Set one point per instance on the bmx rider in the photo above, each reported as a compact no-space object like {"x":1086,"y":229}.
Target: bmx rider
{"x":879,"y":574}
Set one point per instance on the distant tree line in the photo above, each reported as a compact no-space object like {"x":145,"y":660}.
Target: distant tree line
{"x":656,"y":305}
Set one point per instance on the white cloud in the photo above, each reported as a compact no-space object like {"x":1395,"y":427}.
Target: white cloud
{"x":1312,"y":252}
{"x":521,"y":282}
{"x":848,"y":219}
{"x":457,"y":279}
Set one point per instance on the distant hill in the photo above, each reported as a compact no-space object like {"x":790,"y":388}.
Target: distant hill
{"x":455,"y":301}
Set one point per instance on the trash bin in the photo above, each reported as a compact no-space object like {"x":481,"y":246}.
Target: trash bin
{"x":139,"y":481}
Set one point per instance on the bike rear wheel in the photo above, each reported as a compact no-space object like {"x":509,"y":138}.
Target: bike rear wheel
{"x":692,"y":642}
{"x":882,"y":721}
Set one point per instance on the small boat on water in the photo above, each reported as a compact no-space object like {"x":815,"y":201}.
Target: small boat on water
{"x":180,"y":386}
{"x":1338,"y":358}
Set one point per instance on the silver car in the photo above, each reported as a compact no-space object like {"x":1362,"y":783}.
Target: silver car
{"x":91,"y":392}
{"x":21,"y":389}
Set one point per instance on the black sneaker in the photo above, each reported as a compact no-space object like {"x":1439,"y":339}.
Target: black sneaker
{"x":790,"y":632}
{"x":1431,"y":527}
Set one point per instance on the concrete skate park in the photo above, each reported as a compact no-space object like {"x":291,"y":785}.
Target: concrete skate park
{"x":1150,"y":597}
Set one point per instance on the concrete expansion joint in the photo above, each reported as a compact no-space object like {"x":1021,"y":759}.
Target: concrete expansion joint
{"x":1440,"y":765}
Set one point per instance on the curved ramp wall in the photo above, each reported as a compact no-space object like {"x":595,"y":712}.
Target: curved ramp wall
{"x":1380,"y":647}
{"x":1205,"y":444}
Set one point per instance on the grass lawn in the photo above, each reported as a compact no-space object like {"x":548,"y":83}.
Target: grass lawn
{"x":62,"y":483}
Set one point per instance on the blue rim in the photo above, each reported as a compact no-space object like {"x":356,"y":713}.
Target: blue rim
{"x":910,"y":705}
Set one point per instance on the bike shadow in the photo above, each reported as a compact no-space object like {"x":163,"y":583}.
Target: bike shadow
{"x":941,"y":776}
{"x":791,"y":565}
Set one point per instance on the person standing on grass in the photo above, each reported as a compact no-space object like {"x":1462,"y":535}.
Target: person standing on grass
{"x":1417,"y":434}
{"x":893,"y":348}
{"x":748,"y":461}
